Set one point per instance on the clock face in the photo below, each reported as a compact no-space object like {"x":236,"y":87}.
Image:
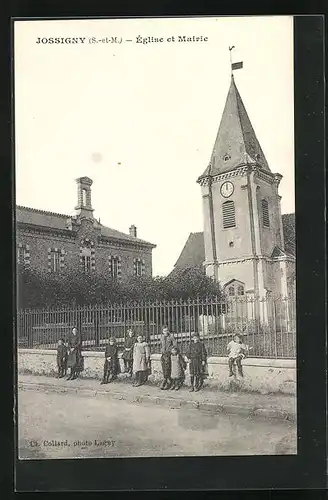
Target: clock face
{"x":227,"y":189}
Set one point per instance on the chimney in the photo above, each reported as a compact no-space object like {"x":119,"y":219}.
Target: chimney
{"x":133,"y":231}
{"x":84,"y":206}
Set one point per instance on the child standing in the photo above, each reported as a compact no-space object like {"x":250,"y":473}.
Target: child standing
{"x":141,"y":361}
{"x":61,"y":358}
{"x":178,"y":367}
{"x":127,"y":355}
{"x":197,"y":357}
{"x":236,"y":352}
{"x":111,"y":366}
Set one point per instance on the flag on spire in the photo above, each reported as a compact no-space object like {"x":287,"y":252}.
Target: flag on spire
{"x":237,"y":65}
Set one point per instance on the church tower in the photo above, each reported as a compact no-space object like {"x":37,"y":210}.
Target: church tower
{"x":243,"y":233}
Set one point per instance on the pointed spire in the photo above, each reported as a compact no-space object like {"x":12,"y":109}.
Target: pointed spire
{"x":236,"y":143}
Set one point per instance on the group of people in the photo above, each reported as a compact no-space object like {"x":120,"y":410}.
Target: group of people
{"x":137,"y":363}
{"x":69,"y":356}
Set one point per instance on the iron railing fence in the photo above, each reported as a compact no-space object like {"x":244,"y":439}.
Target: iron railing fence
{"x":267,"y":326}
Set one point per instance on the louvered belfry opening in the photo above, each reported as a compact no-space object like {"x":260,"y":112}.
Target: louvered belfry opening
{"x":228,"y":213}
{"x":265,"y":213}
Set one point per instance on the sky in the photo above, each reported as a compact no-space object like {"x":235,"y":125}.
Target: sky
{"x":140,"y":119}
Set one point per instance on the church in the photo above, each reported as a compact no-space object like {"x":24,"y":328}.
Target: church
{"x":53,"y":242}
{"x":247,"y":245}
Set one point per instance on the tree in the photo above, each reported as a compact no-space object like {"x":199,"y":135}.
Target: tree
{"x":40,"y":289}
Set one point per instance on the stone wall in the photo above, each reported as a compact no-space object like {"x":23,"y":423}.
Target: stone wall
{"x":260,"y":375}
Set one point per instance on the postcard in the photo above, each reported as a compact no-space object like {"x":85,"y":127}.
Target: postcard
{"x":155,"y":237}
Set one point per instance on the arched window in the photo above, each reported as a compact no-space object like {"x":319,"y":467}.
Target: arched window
{"x":86,"y":260}
{"x":84,"y":197}
{"x":228,"y":214}
{"x":235,"y":287}
{"x":87,"y":256}
{"x":265,"y":213}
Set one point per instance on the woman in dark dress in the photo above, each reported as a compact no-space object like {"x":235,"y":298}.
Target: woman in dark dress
{"x":197,"y":356}
{"x":74,"y":359}
{"x":127,"y":355}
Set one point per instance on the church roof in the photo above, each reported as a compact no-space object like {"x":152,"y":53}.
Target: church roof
{"x":193,"y":253}
{"x":52,"y":220}
{"x":236,"y":143}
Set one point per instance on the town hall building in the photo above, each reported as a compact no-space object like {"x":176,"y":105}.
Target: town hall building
{"x":54,"y":242}
{"x":247,"y":245}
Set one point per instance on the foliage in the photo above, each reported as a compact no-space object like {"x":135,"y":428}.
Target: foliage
{"x":38,"y":289}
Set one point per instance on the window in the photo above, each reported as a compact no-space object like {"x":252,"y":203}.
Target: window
{"x":56,"y":258}
{"x":114,"y":267}
{"x":86,"y":260}
{"x":55,"y":261}
{"x":139,"y":267}
{"x":228,"y":213}
{"x":265,"y":213}
{"x":21,"y":255}
{"x":235,"y":287}
{"x":84,"y":197}
{"x":87,"y":256}
{"x":86,"y":263}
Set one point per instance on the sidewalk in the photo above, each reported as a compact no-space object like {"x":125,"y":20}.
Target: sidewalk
{"x":281,"y":407}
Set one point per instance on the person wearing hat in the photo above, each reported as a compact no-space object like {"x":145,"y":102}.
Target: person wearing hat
{"x":167,"y":342}
{"x":197,"y":357}
{"x":111,"y":365}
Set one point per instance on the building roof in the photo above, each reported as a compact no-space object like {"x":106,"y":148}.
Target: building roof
{"x":193,"y":253}
{"x":236,"y":143}
{"x":52,"y":220}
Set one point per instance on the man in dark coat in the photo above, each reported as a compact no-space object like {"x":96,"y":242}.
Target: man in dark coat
{"x":112,"y":364}
{"x":167,"y":342}
{"x":74,"y":361}
{"x":127,"y":355}
{"x":197,"y":357}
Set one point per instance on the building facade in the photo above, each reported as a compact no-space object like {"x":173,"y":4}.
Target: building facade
{"x":54,"y":242}
{"x":243,"y":230}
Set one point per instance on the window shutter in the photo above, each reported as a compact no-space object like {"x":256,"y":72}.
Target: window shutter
{"x":265,"y":213}
{"x":228,"y":213}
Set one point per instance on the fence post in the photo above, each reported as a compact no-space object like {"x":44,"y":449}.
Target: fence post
{"x":96,"y":325}
{"x":29,"y":328}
